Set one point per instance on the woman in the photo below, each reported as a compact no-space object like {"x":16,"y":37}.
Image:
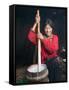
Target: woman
{"x":49,"y":47}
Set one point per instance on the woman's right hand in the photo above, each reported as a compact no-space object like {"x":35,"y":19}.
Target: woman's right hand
{"x":37,"y":18}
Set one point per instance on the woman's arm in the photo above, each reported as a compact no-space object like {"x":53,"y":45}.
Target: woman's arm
{"x":34,"y":27}
{"x":32,"y":37}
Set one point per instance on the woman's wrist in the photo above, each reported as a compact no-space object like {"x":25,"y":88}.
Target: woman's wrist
{"x":34,"y":27}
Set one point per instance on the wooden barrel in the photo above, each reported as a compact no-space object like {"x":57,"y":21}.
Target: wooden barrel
{"x":34,"y":75}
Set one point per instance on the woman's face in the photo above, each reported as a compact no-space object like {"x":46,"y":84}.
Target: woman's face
{"x":48,"y":30}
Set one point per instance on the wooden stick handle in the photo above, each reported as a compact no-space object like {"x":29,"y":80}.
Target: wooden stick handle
{"x":39,"y":46}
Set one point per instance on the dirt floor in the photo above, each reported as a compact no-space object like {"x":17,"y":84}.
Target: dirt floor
{"x":21,"y":75}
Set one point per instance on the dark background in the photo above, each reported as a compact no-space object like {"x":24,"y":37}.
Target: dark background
{"x":25,"y":17}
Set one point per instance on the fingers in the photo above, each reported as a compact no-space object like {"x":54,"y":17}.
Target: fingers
{"x":37,"y":18}
{"x":38,"y":13}
{"x":39,"y":36}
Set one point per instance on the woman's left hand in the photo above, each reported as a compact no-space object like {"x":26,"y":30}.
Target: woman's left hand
{"x":40,"y":36}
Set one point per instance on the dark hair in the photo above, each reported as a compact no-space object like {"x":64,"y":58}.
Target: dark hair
{"x":50,"y":22}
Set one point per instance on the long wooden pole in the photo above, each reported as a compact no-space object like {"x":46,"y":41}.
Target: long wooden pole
{"x":39,"y":46}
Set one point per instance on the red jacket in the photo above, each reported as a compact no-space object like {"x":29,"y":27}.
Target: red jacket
{"x":48,"y":48}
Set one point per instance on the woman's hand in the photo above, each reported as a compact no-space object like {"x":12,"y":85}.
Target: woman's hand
{"x":37,"y":18}
{"x":40,"y":36}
